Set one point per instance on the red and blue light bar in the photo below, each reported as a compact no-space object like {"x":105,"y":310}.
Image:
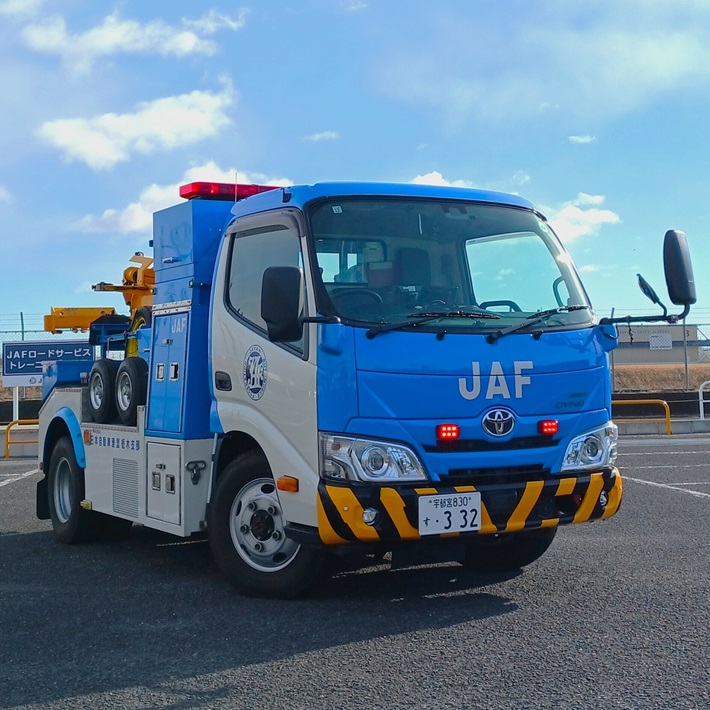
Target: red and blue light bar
{"x":221,"y":190}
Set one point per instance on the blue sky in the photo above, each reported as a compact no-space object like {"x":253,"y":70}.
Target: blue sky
{"x":595,"y":111}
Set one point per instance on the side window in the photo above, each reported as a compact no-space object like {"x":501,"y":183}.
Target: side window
{"x":252,"y":252}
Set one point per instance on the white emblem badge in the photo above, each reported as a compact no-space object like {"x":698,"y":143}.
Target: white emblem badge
{"x":254,"y":372}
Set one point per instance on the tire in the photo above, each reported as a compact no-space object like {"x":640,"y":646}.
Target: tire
{"x":102,"y":384}
{"x":143,"y":317}
{"x":70,"y":522}
{"x":506,"y":552}
{"x":247,"y":538}
{"x":131,"y":389}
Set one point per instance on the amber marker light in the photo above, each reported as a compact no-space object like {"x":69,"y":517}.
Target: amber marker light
{"x":289,"y":484}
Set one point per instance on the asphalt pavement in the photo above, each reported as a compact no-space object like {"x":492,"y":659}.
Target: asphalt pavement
{"x":615,"y":615}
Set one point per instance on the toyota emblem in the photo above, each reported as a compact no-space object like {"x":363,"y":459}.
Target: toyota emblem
{"x":498,"y":422}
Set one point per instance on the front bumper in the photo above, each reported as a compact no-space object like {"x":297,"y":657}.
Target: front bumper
{"x":555,"y":501}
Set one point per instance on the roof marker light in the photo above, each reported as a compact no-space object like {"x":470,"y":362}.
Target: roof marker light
{"x":221,"y":190}
{"x":447,"y":432}
{"x":548,"y":427}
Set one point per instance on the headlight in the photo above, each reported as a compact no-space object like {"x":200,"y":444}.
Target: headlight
{"x":594,"y":449}
{"x":350,"y":459}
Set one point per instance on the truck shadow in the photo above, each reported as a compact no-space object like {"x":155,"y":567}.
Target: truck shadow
{"x":149,"y":609}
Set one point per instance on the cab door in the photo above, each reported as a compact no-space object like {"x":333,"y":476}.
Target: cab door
{"x":263,"y":389}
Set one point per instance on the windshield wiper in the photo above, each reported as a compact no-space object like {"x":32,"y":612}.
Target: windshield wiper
{"x":534,"y":319}
{"x":417,"y":319}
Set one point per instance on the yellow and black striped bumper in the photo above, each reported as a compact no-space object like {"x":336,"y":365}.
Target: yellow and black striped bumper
{"x":505,"y":508}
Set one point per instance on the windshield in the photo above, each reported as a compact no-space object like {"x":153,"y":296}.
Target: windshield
{"x":436,"y":264}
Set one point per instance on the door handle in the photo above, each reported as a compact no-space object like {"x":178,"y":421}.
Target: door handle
{"x":222,"y":381}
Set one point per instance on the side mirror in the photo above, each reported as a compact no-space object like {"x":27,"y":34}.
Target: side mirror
{"x":679,"y":280}
{"x":281,"y":289}
{"x":678,"y":269}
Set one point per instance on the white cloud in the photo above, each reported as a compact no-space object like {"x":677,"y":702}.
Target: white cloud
{"x":138,"y":215}
{"x":436,"y":178}
{"x":5,"y":195}
{"x":116,"y":35}
{"x":520,"y":178}
{"x":324,"y":136}
{"x":570,"y":221}
{"x":214,"y":21}
{"x":354,"y":5}
{"x":599,"y":68}
{"x":584,"y":198}
{"x":103,"y":141}
{"x":582,"y":139}
{"x":20,"y":8}
{"x":589,"y":268}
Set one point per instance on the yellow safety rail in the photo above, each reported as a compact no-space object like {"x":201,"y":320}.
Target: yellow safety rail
{"x":12,"y":424}
{"x":662,"y":402}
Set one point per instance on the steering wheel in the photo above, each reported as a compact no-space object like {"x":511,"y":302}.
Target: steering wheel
{"x":353,"y":298}
{"x":511,"y":304}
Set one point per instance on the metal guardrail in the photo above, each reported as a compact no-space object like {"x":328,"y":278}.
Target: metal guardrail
{"x":701,"y":400}
{"x":662,"y":402}
{"x":9,"y":442}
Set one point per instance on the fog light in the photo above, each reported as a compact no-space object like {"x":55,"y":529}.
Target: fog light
{"x":369,"y":515}
{"x":603,"y":499}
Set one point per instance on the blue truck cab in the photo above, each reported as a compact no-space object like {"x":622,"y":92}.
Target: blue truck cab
{"x":354,"y":368}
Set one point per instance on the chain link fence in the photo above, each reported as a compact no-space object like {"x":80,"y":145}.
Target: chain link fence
{"x":649,"y":358}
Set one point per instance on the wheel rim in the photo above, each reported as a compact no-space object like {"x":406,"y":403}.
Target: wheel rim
{"x":256,"y":527}
{"x":96,"y":392}
{"x":124,"y":391}
{"x":63,"y":491}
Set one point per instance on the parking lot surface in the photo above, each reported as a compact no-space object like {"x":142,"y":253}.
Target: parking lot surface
{"x":615,"y":615}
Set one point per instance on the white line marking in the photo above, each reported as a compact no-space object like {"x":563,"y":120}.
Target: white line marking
{"x":18,"y":477}
{"x":665,"y":465}
{"x":698,"y":494}
{"x":659,"y":453}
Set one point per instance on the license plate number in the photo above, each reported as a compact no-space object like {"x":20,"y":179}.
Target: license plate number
{"x":449,"y":513}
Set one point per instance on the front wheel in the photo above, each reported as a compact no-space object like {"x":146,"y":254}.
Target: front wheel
{"x":70,"y":522}
{"x":247,"y":536}
{"x":505,"y":552}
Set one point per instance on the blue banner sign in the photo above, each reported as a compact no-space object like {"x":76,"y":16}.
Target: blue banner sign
{"x":22,"y":361}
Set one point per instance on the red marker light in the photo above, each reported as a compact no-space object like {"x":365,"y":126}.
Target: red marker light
{"x":447,"y":432}
{"x":548,"y":426}
{"x":221,"y":190}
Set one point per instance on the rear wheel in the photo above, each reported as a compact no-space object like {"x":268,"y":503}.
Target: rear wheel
{"x":141,"y":318}
{"x":131,"y":389}
{"x":505,"y":552}
{"x":71,"y":523}
{"x":102,"y":384}
{"x":247,"y":536}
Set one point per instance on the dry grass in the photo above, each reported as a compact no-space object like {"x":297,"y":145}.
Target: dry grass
{"x":25,"y":393}
{"x":659,"y":377}
{"x":627,"y":378}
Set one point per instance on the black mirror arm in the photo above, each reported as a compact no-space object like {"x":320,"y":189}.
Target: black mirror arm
{"x":672,"y":318}
{"x":321,"y":319}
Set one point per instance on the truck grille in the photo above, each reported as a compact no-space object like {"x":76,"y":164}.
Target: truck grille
{"x":465,"y":445}
{"x":480,"y":477}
